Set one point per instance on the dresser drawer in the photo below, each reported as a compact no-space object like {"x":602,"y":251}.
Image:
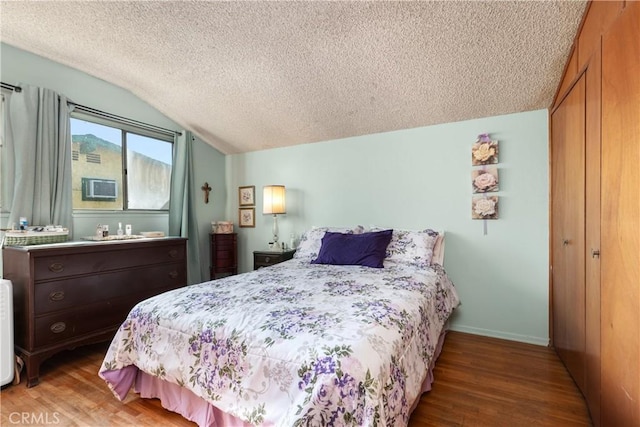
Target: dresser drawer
{"x":225,"y":255}
{"x":266,"y":259}
{"x":227,"y":241}
{"x":64,"y":265}
{"x":224,"y":238}
{"x":59,"y":327}
{"x":226,"y":262}
{"x":62,"y":294}
{"x":108,"y":314}
{"x":224,"y":251}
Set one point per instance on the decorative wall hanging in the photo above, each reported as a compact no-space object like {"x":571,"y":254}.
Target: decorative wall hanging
{"x":485,"y":180}
{"x":207,"y":189}
{"x":247,"y":195}
{"x":247,"y":217}
{"x":484,"y":151}
{"x":483,"y":207}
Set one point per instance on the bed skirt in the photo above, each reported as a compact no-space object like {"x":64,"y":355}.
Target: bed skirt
{"x":195,"y":409}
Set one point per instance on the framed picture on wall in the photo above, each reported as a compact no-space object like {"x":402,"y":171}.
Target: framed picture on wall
{"x":247,"y":195}
{"x":247,"y":217}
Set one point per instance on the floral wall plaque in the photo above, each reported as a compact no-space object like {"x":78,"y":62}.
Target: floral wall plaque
{"x":484,"y":151}
{"x":485,"y":180}
{"x":483,"y":207}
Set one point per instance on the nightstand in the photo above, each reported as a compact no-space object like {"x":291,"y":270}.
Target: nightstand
{"x":267,"y":258}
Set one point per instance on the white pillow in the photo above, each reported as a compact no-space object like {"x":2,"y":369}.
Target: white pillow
{"x":311,"y":240}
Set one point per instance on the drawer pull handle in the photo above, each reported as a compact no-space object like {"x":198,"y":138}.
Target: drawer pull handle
{"x":58,"y":327}
{"x":173,"y":253}
{"x":173,"y":274}
{"x":267,"y":259}
{"x":56,"y":267}
{"x":56,"y":296}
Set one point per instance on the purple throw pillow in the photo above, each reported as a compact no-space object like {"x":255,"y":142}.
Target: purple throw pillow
{"x":368,"y":249}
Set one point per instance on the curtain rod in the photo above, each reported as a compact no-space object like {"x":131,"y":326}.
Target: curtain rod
{"x":106,"y":115}
{"x":11,"y":87}
{"x":126,"y":120}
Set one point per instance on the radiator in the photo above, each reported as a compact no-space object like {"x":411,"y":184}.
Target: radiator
{"x":7,"y":358}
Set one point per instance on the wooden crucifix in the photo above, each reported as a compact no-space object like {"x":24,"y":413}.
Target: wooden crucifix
{"x":206,"y":188}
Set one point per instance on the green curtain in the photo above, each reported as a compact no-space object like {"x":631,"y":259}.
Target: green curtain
{"x":183,"y":220}
{"x":37,"y":160}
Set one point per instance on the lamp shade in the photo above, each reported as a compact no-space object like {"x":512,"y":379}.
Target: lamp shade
{"x":273,"y":200}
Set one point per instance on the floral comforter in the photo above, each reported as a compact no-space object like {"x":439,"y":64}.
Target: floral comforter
{"x":296,"y":343}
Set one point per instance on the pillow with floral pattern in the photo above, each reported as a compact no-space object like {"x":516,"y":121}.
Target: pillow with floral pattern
{"x":311,"y":241}
{"x":408,"y":247}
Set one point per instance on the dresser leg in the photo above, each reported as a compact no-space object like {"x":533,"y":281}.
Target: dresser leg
{"x":31,"y":382}
{"x":31,"y":367}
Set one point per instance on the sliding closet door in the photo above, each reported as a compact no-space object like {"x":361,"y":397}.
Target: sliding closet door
{"x":620,"y":259}
{"x":568,"y":230}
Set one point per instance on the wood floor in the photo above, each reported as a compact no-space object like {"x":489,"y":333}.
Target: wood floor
{"x":479,"y":381}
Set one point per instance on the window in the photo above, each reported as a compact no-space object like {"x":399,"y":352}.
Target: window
{"x":116,"y":166}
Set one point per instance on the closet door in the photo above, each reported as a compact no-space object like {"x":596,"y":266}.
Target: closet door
{"x":620,"y":258}
{"x":568,"y":231}
{"x":592,"y":236}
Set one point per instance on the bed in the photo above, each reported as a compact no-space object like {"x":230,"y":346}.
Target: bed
{"x":303,"y":342}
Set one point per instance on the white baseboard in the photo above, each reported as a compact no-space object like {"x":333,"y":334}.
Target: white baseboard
{"x":543,"y":341}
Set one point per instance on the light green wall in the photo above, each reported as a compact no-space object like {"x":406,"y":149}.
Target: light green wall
{"x":209,"y":166}
{"x":20,"y":67}
{"x":420,"y":178}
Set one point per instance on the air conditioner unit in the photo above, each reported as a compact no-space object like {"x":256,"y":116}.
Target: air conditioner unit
{"x":99,"y":189}
{"x":7,"y":357}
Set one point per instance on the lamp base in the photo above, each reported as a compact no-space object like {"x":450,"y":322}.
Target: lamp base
{"x":276,"y":246}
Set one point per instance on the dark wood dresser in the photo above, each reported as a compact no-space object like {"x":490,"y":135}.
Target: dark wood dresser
{"x":224,"y":254}
{"x":267,"y":258}
{"x":76,"y":293}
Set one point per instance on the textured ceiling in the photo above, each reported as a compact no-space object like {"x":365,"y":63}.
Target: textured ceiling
{"x":246,"y":76}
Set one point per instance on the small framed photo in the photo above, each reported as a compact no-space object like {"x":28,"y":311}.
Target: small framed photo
{"x":247,"y":217}
{"x":247,"y":195}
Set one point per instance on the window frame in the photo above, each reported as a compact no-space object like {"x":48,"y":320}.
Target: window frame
{"x":126,"y":127}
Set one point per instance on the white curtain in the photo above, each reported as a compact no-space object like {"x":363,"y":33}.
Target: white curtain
{"x":36,"y":167}
{"x":182,"y":207}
